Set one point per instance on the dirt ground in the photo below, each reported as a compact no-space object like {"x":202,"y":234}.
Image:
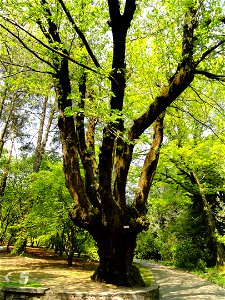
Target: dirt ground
{"x":52,"y":272}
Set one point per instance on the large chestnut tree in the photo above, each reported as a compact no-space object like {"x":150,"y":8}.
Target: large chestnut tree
{"x":115,"y":67}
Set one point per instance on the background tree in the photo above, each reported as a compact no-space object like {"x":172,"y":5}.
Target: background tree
{"x":43,"y":132}
{"x":187,"y":201}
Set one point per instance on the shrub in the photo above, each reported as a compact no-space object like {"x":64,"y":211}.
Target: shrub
{"x":146,"y":246}
{"x":186,"y":255}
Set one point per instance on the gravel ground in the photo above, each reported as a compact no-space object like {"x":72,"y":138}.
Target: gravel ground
{"x":179,"y":285}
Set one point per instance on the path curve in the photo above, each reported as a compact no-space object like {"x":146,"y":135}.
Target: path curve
{"x":180,"y":285}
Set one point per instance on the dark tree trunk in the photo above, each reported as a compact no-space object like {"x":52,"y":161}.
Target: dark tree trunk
{"x":220,"y":260}
{"x":70,"y":258}
{"x":116,"y":252}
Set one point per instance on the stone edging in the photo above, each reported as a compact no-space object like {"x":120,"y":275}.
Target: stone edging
{"x":8,"y":293}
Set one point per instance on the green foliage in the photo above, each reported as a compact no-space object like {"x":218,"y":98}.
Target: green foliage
{"x":212,"y":274}
{"x":19,"y":246}
{"x":186,"y":255}
{"x":147,"y":246}
{"x":177,"y":232}
{"x":35,"y":210}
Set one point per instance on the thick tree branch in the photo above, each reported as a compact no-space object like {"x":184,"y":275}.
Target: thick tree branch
{"x":149,"y":167}
{"x":119,"y":24}
{"x":80,"y":115}
{"x":211,"y":75}
{"x":129,"y":10}
{"x":83,"y":206}
{"x":178,"y":83}
{"x":87,"y":154}
{"x":53,"y":30}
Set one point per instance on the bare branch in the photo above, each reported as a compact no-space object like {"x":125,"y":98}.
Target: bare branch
{"x":200,"y":122}
{"x":26,"y":47}
{"x":199,"y":94}
{"x":80,"y":34}
{"x":186,"y":188}
{"x":209,"y":51}
{"x":46,"y":46}
{"x":26,"y":67}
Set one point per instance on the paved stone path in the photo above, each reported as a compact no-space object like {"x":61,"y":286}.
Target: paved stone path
{"x":179,"y":285}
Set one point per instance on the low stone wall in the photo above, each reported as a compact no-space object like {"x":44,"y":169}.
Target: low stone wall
{"x":16,"y":293}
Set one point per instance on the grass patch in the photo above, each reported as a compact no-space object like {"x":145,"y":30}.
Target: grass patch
{"x":146,"y":274}
{"x":15,"y":283}
{"x":213,"y":275}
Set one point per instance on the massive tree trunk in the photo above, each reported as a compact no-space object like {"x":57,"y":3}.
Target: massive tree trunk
{"x":116,"y":252}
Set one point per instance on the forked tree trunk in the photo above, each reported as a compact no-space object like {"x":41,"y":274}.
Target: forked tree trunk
{"x":116,"y":252}
{"x":100,"y":198}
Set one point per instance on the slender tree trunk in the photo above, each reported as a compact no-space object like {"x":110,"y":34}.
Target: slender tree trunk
{"x":6,"y":171}
{"x":38,"y":150}
{"x":6,"y":123}
{"x":48,"y":127}
{"x":70,"y":246}
{"x":43,"y":135}
{"x":211,"y":222}
{"x":2,"y":100}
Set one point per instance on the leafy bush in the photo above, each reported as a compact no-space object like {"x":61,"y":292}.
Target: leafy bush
{"x":186,"y":255}
{"x":146,"y":246}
